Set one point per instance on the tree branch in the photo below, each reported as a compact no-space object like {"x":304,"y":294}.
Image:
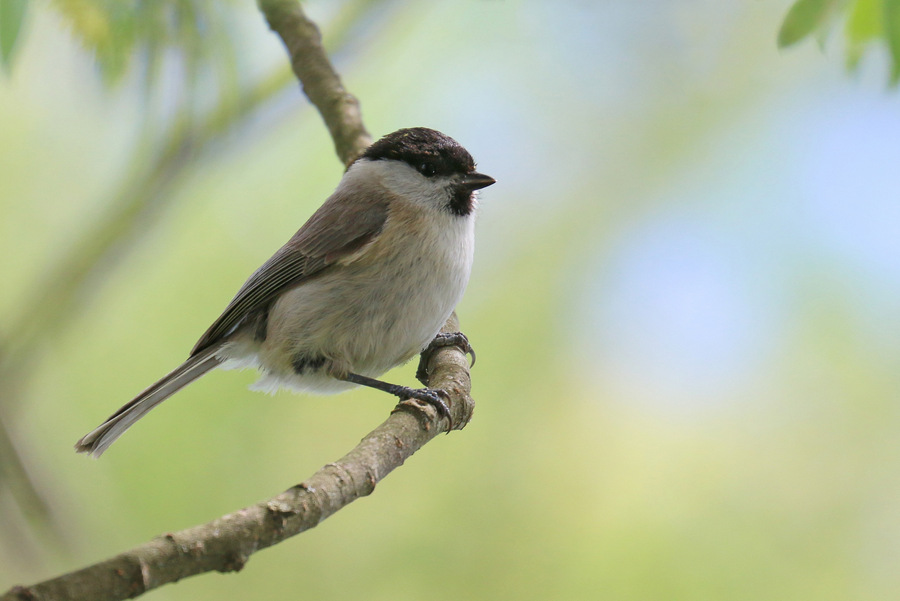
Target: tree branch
{"x":320,"y":82}
{"x":226,"y":544}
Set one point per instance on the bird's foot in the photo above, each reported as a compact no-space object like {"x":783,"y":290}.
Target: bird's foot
{"x":435,"y":397}
{"x":442,"y":340}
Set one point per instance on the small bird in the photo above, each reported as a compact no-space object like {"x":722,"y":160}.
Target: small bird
{"x":362,"y":287}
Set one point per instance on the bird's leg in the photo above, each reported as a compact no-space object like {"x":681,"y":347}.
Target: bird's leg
{"x":457,"y":339}
{"x":432,"y":396}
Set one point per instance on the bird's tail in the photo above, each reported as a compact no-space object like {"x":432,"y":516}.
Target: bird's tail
{"x":99,"y":439}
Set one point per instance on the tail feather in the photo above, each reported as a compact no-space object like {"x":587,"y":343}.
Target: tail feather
{"x":99,"y":439}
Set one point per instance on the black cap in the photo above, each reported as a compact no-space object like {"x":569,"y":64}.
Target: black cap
{"x":426,"y":150}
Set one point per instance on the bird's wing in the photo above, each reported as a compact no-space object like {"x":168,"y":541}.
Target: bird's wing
{"x":340,"y":228}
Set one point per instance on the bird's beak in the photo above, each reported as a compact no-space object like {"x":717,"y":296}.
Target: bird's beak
{"x":476,"y":181}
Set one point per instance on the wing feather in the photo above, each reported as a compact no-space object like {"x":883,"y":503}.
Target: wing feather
{"x":338,"y":229}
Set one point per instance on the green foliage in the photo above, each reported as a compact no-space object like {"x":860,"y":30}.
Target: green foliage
{"x":804,"y":18}
{"x":12,"y":14}
{"x":120,"y":33}
{"x":109,"y":29}
{"x":863,"y":26}
{"x":867,"y":22}
{"x":892,"y":34}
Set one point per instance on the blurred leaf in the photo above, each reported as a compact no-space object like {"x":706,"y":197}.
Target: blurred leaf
{"x":867,"y":21}
{"x":863,"y":26}
{"x":106,"y":28}
{"x":864,"y":23}
{"x":803,"y":18}
{"x":123,"y":32}
{"x":12,"y":15}
{"x":892,"y":33}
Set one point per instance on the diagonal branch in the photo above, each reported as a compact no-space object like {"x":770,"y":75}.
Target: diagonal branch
{"x":225,"y":544}
{"x":321,"y":83}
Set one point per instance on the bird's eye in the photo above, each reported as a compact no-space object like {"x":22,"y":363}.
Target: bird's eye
{"x":427,"y":169}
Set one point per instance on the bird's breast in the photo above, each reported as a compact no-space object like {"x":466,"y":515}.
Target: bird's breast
{"x":380,"y":309}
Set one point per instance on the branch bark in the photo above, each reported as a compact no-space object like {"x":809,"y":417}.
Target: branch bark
{"x":320,"y":82}
{"x":226,"y":544}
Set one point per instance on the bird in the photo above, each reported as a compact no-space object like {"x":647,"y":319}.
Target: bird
{"x":362,"y":287}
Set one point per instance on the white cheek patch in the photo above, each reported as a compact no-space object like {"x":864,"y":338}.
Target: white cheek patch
{"x":401,"y":180}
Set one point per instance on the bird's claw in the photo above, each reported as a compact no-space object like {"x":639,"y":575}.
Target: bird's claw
{"x":434,"y":397}
{"x":444,"y":339}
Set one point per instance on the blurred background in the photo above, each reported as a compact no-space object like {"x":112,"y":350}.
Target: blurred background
{"x":686,"y":297}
